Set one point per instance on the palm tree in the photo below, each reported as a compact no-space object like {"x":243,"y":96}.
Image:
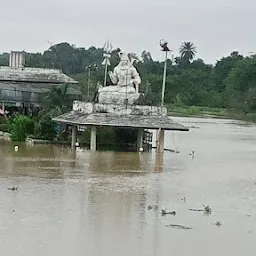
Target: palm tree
{"x":55,"y":101}
{"x":187,"y":51}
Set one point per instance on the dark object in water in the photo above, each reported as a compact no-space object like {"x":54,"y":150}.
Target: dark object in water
{"x":207,"y":210}
{"x":218,"y":223}
{"x":178,"y":227}
{"x":196,"y":210}
{"x":13,"y":188}
{"x":164,"y":212}
{"x":150,"y":207}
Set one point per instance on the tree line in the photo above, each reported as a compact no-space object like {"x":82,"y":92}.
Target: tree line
{"x":230,"y":83}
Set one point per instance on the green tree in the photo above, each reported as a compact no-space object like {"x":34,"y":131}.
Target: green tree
{"x":45,"y":128}
{"x":223,"y":68}
{"x":56,"y":101}
{"x":241,"y":85}
{"x":187,"y":51}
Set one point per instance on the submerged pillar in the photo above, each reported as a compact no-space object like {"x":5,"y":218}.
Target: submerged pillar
{"x":160,"y":141}
{"x":159,"y":162}
{"x":93,"y":138}
{"x":140,"y":139}
{"x":74,"y":136}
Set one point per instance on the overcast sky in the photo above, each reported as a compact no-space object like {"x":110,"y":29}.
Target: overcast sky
{"x":216,"y":27}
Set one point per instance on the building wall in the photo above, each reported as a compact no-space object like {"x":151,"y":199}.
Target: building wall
{"x":17,"y":59}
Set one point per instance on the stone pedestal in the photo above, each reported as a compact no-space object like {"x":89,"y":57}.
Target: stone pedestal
{"x":118,"y":98}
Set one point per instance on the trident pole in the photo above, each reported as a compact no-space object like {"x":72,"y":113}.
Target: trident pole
{"x":106,"y":71}
{"x":107,"y":54}
{"x":88,"y":82}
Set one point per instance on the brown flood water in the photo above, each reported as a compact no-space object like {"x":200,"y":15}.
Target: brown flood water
{"x":97,"y":204}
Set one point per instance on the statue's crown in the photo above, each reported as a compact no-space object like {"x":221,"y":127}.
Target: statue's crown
{"x":123,"y":56}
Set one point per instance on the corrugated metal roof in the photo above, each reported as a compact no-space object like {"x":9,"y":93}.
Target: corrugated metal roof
{"x":38,"y":75}
{"x":106,"y":119}
{"x":33,"y":87}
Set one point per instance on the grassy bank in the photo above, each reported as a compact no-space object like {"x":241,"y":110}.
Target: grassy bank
{"x":198,"y":111}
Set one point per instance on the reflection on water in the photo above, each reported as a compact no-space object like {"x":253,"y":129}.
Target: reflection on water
{"x":87,"y":203}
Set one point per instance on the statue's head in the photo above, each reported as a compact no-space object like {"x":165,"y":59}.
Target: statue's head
{"x":124,"y":59}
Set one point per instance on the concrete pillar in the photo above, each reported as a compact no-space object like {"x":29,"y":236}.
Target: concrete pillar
{"x":74,"y":135}
{"x":93,"y":138}
{"x":160,"y":141}
{"x":159,"y":162}
{"x":140,"y":139}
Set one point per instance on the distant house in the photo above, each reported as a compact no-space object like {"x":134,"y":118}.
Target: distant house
{"x":24,"y":87}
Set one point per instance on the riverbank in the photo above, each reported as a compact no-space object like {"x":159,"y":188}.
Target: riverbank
{"x":197,"y":111}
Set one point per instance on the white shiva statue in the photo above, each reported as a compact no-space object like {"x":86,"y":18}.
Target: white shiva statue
{"x":126,"y":81}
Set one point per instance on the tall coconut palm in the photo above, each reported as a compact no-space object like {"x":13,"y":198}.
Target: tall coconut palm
{"x":187,"y":51}
{"x":55,"y":101}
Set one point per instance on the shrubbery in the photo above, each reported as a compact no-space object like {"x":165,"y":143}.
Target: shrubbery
{"x":45,"y":128}
{"x":20,"y":127}
{"x":3,"y":124}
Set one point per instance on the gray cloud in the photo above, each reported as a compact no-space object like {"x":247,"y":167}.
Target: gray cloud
{"x":216,"y":27}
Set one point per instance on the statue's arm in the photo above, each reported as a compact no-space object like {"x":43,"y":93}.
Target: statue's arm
{"x":136,"y":77}
{"x":113,"y":76}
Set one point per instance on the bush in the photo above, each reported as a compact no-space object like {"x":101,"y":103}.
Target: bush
{"x":2,"y":120}
{"x":45,"y":129}
{"x":20,"y":127}
{"x":3,"y":124}
{"x":4,"y":127}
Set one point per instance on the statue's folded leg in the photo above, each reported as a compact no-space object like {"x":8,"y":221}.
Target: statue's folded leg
{"x":128,"y":89}
{"x":113,"y":88}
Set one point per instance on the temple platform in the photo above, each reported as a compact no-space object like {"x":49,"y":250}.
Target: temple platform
{"x":123,"y":116}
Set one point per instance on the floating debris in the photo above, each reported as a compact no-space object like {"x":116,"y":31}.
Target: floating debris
{"x":178,"y":227}
{"x":192,"y":153}
{"x":194,"y":127}
{"x":207,"y":210}
{"x":164,"y":212}
{"x":183,"y":199}
{"x":150,"y":207}
{"x":218,"y":223}
{"x":196,"y":210}
{"x":13,"y":188}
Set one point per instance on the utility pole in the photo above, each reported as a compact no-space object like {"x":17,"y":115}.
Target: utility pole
{"x":160,"y":134}
{"x":165,"y":49}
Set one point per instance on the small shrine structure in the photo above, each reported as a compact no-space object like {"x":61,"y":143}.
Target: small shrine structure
{"x":117,"y":105}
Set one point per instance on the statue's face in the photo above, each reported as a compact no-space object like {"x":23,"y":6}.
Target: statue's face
{"x":124,"y":63}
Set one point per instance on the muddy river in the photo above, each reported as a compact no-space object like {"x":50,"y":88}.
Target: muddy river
{"x":98,"y":204}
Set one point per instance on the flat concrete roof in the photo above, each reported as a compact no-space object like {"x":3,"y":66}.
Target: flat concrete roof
{"x":122,"y":121}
